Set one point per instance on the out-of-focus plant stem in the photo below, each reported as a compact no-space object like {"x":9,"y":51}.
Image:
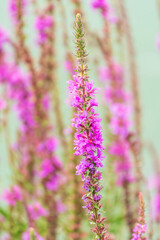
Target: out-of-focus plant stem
{"x":52,"y":78}
{"x":42,"y":128}
{"x":134,"y":143}
{"x":133,"y":69}
{"x":107,"y":50}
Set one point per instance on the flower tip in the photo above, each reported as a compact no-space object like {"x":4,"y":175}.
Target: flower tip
{"x":141,"y":197}
{"x":32,"y":233}
{"x":78,"y":16}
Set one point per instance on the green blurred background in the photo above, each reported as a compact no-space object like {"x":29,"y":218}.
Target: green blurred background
{"x":145,"y":27}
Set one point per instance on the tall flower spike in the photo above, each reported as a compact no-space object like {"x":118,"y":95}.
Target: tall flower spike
{"x":140,"y":227}
{"x":88,"y":136}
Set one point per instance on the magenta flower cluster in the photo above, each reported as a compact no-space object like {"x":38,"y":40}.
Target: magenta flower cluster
{"x":14,"y":6}
{"x":13,"y":195}
{"x":88,"y":138}
{"x":106,"y":10}
{"x":139,"y":231}
{"x":119,"y":105}
{"x":19,"y":89}
{"x":88,"y":143}
{"x":26,"y":235}
{"x":43,"y":25}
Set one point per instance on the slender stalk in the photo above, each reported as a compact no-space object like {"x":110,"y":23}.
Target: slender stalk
{"x":87,"y":134}
{"x":133,"y":69}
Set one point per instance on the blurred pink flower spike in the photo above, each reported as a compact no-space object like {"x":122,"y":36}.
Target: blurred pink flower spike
{"x":13,"y":196}
{"x":106,"y":10}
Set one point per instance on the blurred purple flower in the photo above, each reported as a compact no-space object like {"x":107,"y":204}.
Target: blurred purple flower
{"x":43,"y":24}
{"x":106,"y":9}
{"x":26,"y":235}
{"x":13,"y":195}
{"x":36,"y":210}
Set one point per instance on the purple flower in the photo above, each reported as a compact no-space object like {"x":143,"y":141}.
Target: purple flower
{"x":139,"y":231}
{"x":13,"y":7}
{"x":118,"y":100}
{"x":3,"y":37}
{"x":43,"y":25}
{"x":88,"y":139}
{"x":13,"y":195}
{"x":156,"y":207}
{"x":140,"y":228}
{"x":106,"y":9}
{"x":26,"y":235}
{"x":50,"y":144}
{"x":2,"y":104}
{"x":36,"y":210}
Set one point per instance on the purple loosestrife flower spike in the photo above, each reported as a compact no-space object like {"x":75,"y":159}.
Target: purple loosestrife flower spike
{"x":88,"y":136}
{"x":140,"y":227}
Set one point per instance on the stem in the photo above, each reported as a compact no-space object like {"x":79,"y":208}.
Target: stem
{"x":133,"y":69}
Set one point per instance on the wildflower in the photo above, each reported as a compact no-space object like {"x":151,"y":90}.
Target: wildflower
{"x":120,"y":124}
{"x":156,"y":207}
{"x":3,"y":37}
{"x":28,"y":234}
{"x":36,"y":210}
{"x":106,"y":9}
{"x":14,"y":8}
{"x":88,"y":136}
{"x":140,"y":227}
{"x":13,"y":195}
{"x":2,"y":104}
{"x":105,"y":73}
{"x":43,"y":24}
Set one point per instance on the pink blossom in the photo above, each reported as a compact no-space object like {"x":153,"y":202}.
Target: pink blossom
{"x":106,"y":9}
{"x":112,"y":18}
{"x":60,"y":207}
{"x":46,"y":102}
{"x":2,"y":104}
{"x":67,"y":131}
{"x":120,"y":119}
{"x":139,"y":231}
{"x":50,"y":144}
{"x":119,"y":148}
{"x":43,"y":24}
{"x":119,"y":126}
{"x":13,"y":196}
{"x":156,"y":207}
{"x":106,"y":74}
{"x":103,"y":5}
{"x":118,"y":100}
{"x":69,"y":66}
{"x":154,"y":182}
{"x":47,"y":168}
{"x":3,"y":37}
{"x":53,"y":183}
{"x":14,"y":10}
{"x":115,"y":95}
{"x":36,"y":210}
{"x":26,"y":235}
{"x":48,"y":172}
